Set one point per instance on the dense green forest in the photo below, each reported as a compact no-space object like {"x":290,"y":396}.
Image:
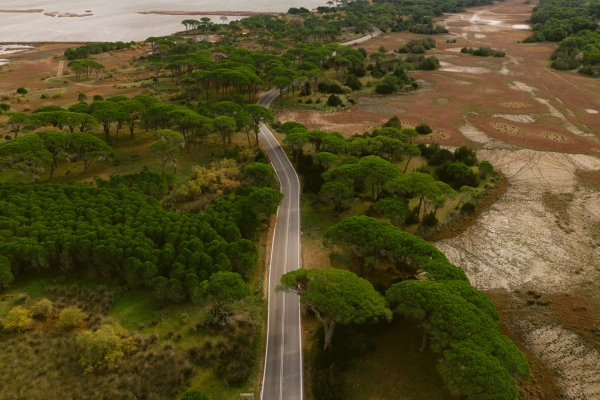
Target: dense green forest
{"x":122,"y":232}
{"x":574,"y":24}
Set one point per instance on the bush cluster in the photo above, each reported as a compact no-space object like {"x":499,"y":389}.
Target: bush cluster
{"x":483,"y":52}
{"x":418,"y":46}
{"x":95,"y":48}
{"x":452,"y":168}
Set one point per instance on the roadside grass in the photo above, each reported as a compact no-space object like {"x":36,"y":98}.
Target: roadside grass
{"x":396,"y":369}
{"x":388,"y":367}
{"x":137,"y":311}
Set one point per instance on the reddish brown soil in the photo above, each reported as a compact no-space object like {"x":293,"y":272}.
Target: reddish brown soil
{"x":577,"y":313}
{"x":31,"y":69}
{"x":537,"y":136}
{"x":591,"y":178}
{"x":542,"y":384}
{"x":453,"y":95}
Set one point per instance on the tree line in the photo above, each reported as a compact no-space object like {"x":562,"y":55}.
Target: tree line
{"x":483,"y":52}
{"x":95,"y":48}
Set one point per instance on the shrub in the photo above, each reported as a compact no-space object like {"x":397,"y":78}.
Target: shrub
{"x":318,"y":101}
{"x":193,"y":395}
{"x":103,"y":348}
{"x":42,"y":308}
{"x":81,"y":97}
{"x":377,"y":74}
{"x":22,"y":90}
{"x":98,"y":98}
{"x":430,"y":219}
{"x":468,"y":208}
{"x":334,"y":100}
{"x":440,"y":157}
{"x":323,"y":87}
{"x":6,"y":275}
{"x":57,"y":95}
{"x":335,"y":89}
{"x":353,"y":83}
{"x":423,"y":129}
{"x":7,"y":137}
{"x":485,"y":169}
{"x":393,"y":122}
{"x":261,"y":157}
{"x":309,"y":101}
{"x":384,"y":89}
{"x":457,"y":174}
{"x":466,"y":156}
{"x":19,"y":319}
{"x":70,"y":317}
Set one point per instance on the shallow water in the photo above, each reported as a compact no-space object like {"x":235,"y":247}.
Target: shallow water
{"x":13,"y":48}
{"x":114,"y":20}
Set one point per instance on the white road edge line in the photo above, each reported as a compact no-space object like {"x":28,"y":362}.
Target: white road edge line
{"x":269,"y":290}
{"x":269,"y":137}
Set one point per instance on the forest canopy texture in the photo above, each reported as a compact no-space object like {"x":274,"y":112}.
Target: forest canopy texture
{"x":122,"y":232}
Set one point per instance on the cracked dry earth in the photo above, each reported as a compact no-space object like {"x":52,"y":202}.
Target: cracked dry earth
{"x":520,"y":243}
{"x":577,"y":364}
{"x":542,"y":235}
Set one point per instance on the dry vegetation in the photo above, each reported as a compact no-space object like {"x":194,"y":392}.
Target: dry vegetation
{"x":44,"y":362}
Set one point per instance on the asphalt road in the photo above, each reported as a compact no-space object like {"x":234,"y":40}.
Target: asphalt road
{"x":282,"y":378}
{"x":376,"y":32}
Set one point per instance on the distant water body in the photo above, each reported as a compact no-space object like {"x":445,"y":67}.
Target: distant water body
{"x":114,"y":20}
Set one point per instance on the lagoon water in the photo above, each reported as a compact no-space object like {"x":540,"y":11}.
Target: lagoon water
{"x":114,"y":20}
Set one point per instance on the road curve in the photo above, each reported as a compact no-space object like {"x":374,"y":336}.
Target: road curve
{"x":282,"y":379}
{"x":376,"y":32}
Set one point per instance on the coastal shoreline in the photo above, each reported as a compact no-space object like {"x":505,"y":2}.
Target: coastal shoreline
{"x":224,"y":13}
